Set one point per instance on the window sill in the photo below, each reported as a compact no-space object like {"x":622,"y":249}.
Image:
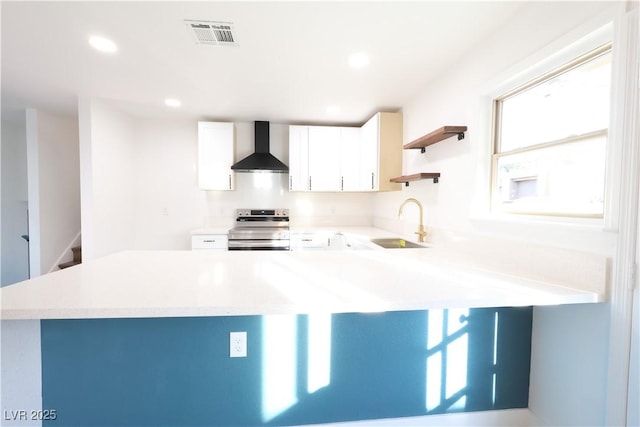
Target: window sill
{"x":573,"y":223}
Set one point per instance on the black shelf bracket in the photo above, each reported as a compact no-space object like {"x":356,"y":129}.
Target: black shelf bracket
{"x":435,"y":181}
{"x":460,"y":138}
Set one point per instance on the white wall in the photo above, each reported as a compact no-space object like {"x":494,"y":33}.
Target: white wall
{"x":569,"y":364}
{"x":54,"y":188}
{"x":107,"y":170}
{"x":21,"y":371}
{"x":59,"y":187}
{"x":168,"y":202}
{"x":33,"y":190}
{"x":565,"y":338}
{"x":14,"y":202}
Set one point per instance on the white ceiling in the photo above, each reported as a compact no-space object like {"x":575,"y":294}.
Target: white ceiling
{"x":290,"y":65}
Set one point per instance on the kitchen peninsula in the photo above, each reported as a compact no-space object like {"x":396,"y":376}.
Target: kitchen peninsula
{"x":220,"y":283}
{"x":332,"y":335}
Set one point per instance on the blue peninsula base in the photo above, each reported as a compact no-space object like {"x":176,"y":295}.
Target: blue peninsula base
{"x":299,"y":369}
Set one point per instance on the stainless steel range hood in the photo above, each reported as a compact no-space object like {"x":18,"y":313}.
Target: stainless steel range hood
{"x":261,"y":160}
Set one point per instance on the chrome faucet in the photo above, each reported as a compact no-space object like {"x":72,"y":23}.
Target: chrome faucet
{"x":421,"y":233}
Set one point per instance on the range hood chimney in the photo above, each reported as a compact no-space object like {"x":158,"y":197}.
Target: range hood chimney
{"x":261,"y":160}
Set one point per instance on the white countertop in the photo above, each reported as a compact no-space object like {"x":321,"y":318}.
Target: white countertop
{"x":210,"y":230}
{"x":216,"y":283}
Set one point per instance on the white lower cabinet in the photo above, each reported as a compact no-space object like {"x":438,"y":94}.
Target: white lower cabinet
{"x":209,"y":241}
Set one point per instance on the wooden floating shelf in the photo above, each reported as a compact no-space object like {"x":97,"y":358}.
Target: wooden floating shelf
{"x":436,"y":136}
{"x":406,"y":179}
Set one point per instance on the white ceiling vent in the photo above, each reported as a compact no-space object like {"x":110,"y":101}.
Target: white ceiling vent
{"x":213,"y":33}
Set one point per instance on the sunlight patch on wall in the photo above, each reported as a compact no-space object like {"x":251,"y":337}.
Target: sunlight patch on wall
{"x":278,"y":365}
{"x":447,"y":359}
{"x":319,"y":354}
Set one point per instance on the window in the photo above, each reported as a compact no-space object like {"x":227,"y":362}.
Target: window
{"x":550,"y":138}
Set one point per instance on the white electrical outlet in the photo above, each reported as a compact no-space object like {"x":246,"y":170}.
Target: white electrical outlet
{"x":237,"y":344}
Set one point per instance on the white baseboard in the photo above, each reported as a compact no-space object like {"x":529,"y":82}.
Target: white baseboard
{"x":502,"y":418}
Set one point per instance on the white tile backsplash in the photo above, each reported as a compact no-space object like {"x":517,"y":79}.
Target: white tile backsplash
{"x":269,"y":191}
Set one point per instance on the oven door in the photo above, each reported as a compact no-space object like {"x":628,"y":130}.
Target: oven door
{"x":259,"y":239}
{"x":259,"y":245}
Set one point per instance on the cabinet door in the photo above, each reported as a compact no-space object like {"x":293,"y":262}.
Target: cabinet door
{"x":389,"y":151}
{"x":215,"y":156}
{"x":369,"y":154}
{"x":324,"y":158}
{"x":350,"y":153}
{"x":381,"y":152}
{"x":298,"y":158}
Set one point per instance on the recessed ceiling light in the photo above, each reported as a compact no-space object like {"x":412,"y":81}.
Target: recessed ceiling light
{"x":358,"y":60}
{"x":103,"y":44}
{"x":333,"y":109}
{"x":171,"y":102}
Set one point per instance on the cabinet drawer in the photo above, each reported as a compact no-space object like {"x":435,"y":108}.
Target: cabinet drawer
{"x":209,"y":241}
{"x":302,"y":241}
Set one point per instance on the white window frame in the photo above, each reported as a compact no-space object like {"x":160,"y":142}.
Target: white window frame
{"x":543,"y":62}
{"x":498,"y":153}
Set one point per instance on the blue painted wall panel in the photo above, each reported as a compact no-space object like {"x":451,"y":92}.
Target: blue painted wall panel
{"x":149,"y":372}
{"x":177,"y":371}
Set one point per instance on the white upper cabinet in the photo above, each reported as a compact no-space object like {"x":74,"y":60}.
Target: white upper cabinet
{"x":298,"y":158}
{"x":317,"y":158}
{"x":381,"y":152}
{"x":324,"y":158}
{"x":368,"y":174}
{"x":215,"y":156}
{"x":330,"y":158}
{"x":350,"y":159}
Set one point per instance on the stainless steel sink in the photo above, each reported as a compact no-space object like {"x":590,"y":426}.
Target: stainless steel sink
{"x":396,"y":243}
